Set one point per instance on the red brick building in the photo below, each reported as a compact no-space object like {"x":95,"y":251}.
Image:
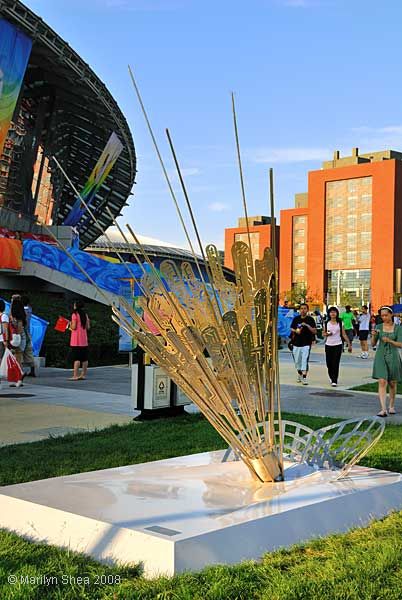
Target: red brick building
{"x":260,"y":235}
{"x":343,"y":240}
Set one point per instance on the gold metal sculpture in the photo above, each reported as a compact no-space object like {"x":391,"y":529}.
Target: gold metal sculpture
{"x":218,"y":341}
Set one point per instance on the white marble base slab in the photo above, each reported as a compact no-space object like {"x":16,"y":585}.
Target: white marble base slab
{"x":188,"y":512}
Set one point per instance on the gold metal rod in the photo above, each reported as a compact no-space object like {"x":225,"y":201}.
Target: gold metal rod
{"x":190,"y":210}
{"x":149,"y":262}
{"x":77,"y":264}
{"x":243,"y":193}
{"x":173,"y":196}
{"x":105,"y":295}
{"x":220,"y":421}
{"x":166,"y":361}
{"x":129,"y":244}
{"x":275,"y":311}
{"x":150,"y":130}
{"x":165,"y":171}
{"x":189,"y":207}
{"x":186,"y":319}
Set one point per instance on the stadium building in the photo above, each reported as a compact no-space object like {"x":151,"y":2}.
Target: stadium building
{"x":61,"y":132}
{"x":61,"y":109}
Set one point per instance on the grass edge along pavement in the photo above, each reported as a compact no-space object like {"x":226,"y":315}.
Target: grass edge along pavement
{"x":365,"y":563}
{"x":371,"y":387}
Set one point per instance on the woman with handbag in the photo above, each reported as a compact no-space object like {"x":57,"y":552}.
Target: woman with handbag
{"x":18,"y":337}
{"x":387,"y":366}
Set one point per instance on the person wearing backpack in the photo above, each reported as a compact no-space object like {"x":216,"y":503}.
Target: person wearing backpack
{"x":334,"y":335}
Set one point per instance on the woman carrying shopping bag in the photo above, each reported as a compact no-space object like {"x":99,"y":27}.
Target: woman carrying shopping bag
{"x":18,"y":338}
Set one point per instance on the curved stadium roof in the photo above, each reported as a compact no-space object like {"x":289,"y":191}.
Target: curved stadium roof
{"x":102,"y":245}
{"x":80,"y":115}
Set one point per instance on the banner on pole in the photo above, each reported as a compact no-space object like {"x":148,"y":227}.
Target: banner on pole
{"x":98,"y":176}
{"x":15,"y":48}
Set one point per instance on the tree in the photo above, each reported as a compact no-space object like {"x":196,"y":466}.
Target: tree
{"x":299,"y":292}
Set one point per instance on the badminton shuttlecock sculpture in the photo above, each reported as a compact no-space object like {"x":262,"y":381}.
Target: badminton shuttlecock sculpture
{"x":218,"y":341}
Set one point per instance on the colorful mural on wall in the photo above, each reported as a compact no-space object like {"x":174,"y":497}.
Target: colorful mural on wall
{"x":15,"y":48}
{"x":98,"y":176}
{"x":108,"y":276}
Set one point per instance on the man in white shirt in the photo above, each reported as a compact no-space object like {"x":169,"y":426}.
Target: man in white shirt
{"x":3,"y":328}
{"x":364,"y":328}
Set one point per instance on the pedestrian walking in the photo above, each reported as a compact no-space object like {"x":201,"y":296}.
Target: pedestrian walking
{"x":335,"y":335}
{"x":303,"y":330}
{"x":18,"y":338}
{"x":364,"y":329}
{"x":319,"y":324}
{"x":387,"y":367}
{"x":79,"y":325}
{"x":356,"y":323}
{"x":348,"y":319}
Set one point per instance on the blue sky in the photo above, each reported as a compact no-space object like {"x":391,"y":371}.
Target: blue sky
{"x":309,"y":76}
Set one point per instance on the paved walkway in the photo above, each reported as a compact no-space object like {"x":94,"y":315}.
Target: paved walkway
{"x":53,"y":405}
{"x":50,"y":405}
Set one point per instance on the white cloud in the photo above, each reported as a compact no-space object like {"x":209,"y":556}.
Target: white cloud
{"x":300,"y":3}
{"x":287,"y":155}
{"x":377,"y":138}
{"x":297,"y":3}
{"x":142,"y":5}
{"x":391,"y":129}
{"x":186,"y":172}
{"x":190,"y":172}
{"x":115,"y":236}
{"x":218,"y":206}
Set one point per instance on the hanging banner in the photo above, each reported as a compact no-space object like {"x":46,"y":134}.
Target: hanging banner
{"x":15,"y":48}
{"x":10,"y":254}
{"x":98,"y":176}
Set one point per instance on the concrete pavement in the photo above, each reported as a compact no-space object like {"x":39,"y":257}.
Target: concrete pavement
{"x":53,"y":405}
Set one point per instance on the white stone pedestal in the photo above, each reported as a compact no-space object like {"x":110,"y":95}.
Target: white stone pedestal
{"x":185,"y":513}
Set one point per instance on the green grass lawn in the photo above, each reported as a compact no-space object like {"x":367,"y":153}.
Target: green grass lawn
{"x":366,"y":387}
{"x":371,"y":387}
{"x":364,"y":564}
